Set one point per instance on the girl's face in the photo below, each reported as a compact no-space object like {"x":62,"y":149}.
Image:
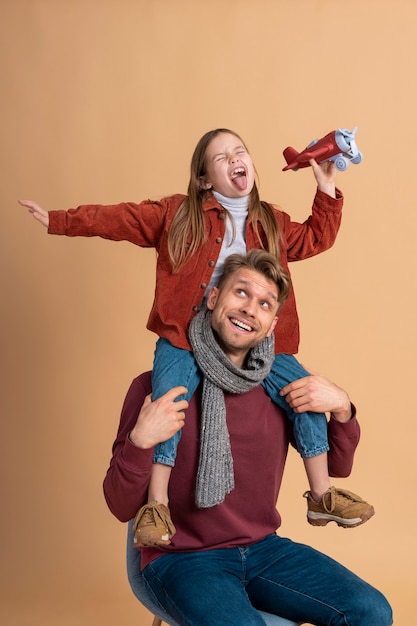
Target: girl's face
{"x":228,"y":167}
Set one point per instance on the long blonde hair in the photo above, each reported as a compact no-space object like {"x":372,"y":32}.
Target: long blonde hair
{"x":187,"y":231}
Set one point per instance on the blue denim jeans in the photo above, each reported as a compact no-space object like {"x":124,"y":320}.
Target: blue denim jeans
{"x":173,"y":367}
{"x":275,"y":575}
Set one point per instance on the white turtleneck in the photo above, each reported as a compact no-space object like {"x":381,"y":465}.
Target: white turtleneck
{"x":233,"y":242}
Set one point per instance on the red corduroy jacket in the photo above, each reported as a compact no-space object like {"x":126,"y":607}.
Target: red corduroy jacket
{"x":178,"y":296}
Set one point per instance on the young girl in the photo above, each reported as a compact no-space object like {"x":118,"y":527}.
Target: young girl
{"x":193,"y":234}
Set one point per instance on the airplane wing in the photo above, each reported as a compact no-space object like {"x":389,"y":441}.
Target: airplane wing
{"x":314,"y":153}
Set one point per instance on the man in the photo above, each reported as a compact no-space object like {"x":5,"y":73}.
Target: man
{"x":226,"y":558}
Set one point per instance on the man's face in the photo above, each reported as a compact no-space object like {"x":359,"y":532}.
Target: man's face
{"x":229,"y":167}
{"x":244,"y":312}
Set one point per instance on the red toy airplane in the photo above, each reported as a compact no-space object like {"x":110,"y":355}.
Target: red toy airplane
{"x":338,"y":146}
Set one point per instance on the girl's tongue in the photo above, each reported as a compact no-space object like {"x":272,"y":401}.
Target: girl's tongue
{"x":240,"y":181}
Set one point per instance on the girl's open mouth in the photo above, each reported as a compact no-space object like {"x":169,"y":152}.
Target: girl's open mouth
{"x":238,"y":177}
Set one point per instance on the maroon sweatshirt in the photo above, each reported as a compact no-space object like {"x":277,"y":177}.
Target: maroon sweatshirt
{"x":259,"y":434}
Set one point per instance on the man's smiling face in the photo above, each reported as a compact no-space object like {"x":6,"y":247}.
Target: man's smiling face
{"x":244,"y":312}
{"x":228,"y":167}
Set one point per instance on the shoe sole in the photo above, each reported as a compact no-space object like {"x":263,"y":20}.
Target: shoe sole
{"x":318,"y":519}
{"x":148,"y":541}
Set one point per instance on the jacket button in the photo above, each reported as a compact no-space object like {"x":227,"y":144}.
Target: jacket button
{"x":195,"y":308}
{"x":211,"y":263}
{"x":221,"y":216}
{"x":203,"y":285}
{"x":219,"y":240}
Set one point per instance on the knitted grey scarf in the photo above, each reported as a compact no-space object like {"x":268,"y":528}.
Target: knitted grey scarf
{"x":215,"y":477}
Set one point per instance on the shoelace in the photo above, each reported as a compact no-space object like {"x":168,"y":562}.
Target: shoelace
{"x":148,"y":515}
{"x":343,"y":493}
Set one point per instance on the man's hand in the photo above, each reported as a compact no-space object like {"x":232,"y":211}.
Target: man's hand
{"x":38,"y":213}
{"x":316,"y":393}
{"x":159,"y":420}
{"x":325,"y":175}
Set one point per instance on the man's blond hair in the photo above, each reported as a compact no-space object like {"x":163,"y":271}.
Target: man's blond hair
{"x":262,"y":262}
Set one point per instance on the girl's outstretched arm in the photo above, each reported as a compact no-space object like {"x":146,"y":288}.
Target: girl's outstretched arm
{"x":38,"y":213}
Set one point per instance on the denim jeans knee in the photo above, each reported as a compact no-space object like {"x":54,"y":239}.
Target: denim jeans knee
{"x":310,"y":429}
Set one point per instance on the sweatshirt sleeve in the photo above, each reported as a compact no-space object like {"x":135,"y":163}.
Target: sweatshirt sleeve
{"x":343,"y":441}
{"x":126,"y":482}
{"x":318,"y":233}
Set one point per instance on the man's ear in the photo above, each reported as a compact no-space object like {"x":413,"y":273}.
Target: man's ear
{"x":212,"y":298}
{"x":272,"y":327}
{"x":204,"y":183}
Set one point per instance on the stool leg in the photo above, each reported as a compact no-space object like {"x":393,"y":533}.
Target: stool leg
{"x":156,"y":621}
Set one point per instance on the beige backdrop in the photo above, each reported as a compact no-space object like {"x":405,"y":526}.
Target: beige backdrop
{"x":104,"y":101}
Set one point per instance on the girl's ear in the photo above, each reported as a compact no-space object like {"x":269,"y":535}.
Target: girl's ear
{"x":205,"y":184}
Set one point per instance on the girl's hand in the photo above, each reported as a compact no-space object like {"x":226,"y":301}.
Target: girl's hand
{"x":325,"y":175}
{"x":38,"y":213}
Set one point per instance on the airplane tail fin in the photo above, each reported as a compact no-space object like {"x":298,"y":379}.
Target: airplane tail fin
{"x":290,"y":155}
